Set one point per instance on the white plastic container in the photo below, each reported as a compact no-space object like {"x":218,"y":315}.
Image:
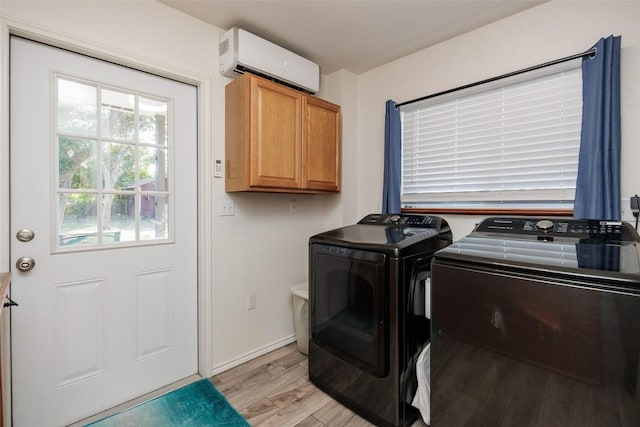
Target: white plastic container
{"x":301,"y":316}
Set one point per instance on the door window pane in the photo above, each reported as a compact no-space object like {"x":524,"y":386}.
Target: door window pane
{"x":154,"y":214}
{"x":118,"y":115}
{"x":77,"y":160}
{"x":153,"y":121}
{"x":153,"y":169}
{"x":78,"y":222}
{"x":118,"y":166}
{"x":77,"y":110}
{"x":120,"y":224}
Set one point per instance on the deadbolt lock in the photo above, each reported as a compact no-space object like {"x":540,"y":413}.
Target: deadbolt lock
{"x":25,"y":235}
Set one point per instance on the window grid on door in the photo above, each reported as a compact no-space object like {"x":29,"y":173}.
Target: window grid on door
{"x":113,"y":166}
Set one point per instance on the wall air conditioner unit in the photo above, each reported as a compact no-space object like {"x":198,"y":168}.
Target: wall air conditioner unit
{"x":241,"y":51}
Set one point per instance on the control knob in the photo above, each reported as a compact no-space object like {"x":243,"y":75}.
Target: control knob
{"x":544,"y":225}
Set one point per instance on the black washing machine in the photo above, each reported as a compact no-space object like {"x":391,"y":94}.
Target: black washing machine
{"x":367,"y":311}
{"x":536,"y":322}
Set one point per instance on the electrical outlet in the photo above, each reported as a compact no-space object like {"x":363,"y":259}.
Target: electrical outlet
{"x":218,"y":169}
{"x":629,"y":208}
{"x":226,"y":207}
{"x":293,"y":207}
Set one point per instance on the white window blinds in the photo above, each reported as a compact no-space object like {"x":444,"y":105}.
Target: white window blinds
{"x":514,"y":145}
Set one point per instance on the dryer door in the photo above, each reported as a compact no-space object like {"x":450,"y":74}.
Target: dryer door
{"x":348,"y":314}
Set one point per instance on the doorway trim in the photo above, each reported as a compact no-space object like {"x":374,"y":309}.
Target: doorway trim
{"x":11,"y":26}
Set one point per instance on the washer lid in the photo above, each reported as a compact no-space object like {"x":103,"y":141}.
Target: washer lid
{"x":390,"y":235}
{"x":584,"y":257}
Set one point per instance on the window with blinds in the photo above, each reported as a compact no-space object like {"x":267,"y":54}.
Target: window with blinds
{"x":508,"y":144}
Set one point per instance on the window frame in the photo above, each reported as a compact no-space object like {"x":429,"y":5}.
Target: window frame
{"x":479,"y":207}
{"x":101,"y":141}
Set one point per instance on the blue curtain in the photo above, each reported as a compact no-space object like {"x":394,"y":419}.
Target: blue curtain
{"x":598,"y":183}
{"x":392,"y":160}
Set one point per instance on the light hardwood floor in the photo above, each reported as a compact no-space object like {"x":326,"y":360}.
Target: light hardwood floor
{"x":274,"y":390}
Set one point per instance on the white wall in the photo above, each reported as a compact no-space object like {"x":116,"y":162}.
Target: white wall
{"x":262,"y":250}
{"x":341,"y":88}
{"x":550,"y":31}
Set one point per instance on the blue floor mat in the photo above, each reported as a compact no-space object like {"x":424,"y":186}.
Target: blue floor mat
{"x":197,"y":404}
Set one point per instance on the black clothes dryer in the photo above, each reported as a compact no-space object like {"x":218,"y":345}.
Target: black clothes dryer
{"x":367,"y":311}
{"x":536,"y":322}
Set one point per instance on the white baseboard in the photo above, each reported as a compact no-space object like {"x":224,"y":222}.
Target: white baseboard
{"x":252,"y":355}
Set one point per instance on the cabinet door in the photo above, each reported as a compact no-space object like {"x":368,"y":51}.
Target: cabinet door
{"x":276,"y":136}
{"x":321,"y":145}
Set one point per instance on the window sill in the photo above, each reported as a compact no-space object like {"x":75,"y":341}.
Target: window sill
{"x":499,"y":212}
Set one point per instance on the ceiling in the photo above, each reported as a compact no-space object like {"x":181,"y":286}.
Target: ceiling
{"x":356,"y":35}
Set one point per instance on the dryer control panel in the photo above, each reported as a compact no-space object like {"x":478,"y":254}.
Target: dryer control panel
{"x":412,"y":220}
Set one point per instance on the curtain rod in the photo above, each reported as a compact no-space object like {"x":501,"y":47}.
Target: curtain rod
{"x":591,"y":52}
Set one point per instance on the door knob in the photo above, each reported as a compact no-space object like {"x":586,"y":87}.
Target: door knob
{"x":25,"y":263}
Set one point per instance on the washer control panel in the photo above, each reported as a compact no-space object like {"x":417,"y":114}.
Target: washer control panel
{"x":567,"y":227}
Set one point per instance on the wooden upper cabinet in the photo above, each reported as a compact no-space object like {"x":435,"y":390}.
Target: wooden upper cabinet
{"x":276,"y":132}
{"x":321,"y":144}
{"x":279,"y":139}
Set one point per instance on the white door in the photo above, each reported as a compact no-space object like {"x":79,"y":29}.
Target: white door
{"x":103,"y":172}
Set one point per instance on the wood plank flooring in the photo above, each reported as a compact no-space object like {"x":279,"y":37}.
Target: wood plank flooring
{"x":274,"y":390}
